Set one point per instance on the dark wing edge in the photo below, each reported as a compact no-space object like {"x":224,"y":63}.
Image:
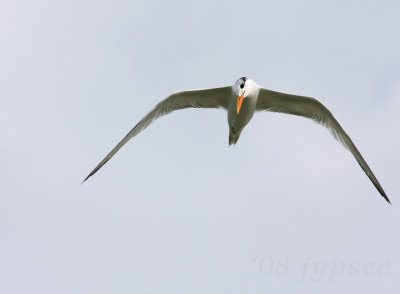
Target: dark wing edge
{"x":207,"y":98}
{"x":311,"y":108}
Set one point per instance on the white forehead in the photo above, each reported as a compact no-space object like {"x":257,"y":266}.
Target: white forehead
{"x":241,"y":80}
{"x":247,"y":85}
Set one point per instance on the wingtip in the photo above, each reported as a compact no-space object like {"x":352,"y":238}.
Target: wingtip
{"x":85,"y":179}
{"x":388,"y":201}
{"x":381,"y":191}
{"x":385,"y":197}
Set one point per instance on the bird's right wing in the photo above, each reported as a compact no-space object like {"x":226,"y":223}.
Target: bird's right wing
{"x":315,"y":110}
{"x":207,"y":98}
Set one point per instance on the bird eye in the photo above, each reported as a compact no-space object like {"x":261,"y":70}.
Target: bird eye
{"x":241,"y":86}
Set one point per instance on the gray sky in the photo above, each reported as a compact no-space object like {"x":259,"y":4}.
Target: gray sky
{"x":177,"y":210}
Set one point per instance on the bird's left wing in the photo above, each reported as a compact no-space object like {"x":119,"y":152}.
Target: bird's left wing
{"x":207,"y":98}
{"x":315,"y":110}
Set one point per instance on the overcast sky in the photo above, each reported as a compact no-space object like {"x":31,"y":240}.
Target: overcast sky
{"x":287,"y":210}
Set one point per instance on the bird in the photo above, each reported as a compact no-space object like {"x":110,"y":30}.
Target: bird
{"x":241,"y":101}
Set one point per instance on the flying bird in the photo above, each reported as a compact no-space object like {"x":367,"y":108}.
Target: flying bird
{"x":241,"y":101}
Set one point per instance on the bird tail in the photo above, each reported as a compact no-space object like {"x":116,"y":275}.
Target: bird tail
{"x":233,"y":138}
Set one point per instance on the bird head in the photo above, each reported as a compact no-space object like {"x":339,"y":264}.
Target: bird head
{"x":240,"y":89}
{"x":244,"y":88}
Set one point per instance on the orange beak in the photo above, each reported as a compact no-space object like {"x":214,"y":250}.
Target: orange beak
{"x":239,"y":102}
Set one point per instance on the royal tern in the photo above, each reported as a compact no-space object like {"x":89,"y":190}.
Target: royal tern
{"x":241,"y":101}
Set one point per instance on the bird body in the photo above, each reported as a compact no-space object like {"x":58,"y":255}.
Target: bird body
{"x":238,"y":119}
{"x":241,"y":101}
